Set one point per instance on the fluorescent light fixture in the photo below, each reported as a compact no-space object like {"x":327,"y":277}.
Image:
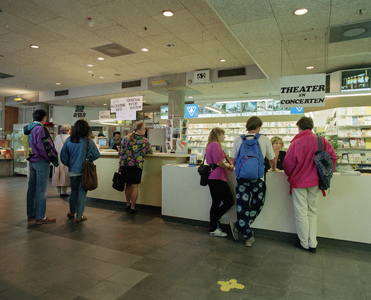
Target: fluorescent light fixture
{"x":104,"y":103}
{"x":101,"y":77}
{"x":222,"y":60}
{"x":300,"y":11}
{"x":252,"y":100}
{"x":159,"y":82}
{"x":347,"y":94}
{"x":190,"y":97}
{"x":18,"y":99}
{"x":100,"y":58}
{"x":167,"y":13}
{"x":214,"y":109}
{"x":309,"y":67}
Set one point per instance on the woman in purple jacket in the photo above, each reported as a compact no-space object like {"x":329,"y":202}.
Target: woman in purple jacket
{"x":222,"y":199}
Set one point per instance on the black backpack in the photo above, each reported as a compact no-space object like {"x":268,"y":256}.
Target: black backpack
{"x":325,"y":166}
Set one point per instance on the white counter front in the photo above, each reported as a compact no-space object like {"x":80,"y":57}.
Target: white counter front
{"x":150,"y":187}
{"x":344,"y":214}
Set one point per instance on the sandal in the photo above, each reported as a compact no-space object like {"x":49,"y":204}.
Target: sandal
{"x":83,"y":218}
{"x":70,"y":216}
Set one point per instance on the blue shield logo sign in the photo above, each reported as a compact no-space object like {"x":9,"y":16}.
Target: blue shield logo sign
{"x":191,"y":111}
{"x":297,"y":110}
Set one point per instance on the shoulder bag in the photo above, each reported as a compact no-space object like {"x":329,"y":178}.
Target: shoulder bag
{"x":89,"y":173}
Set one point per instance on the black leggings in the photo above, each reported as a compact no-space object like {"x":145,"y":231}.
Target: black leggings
{"x":222,"y":198}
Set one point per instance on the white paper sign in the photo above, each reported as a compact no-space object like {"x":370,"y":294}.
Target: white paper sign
{"x":118,"y":104}
{"x":104,"y":115}
{"x":303,"y":91}
{"x":126,"y":115}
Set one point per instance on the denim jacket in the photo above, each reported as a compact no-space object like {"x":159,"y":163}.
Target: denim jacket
{"x":73,"y":155}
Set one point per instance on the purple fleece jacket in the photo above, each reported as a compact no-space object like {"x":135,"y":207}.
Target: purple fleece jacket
{"x":36,"y":143}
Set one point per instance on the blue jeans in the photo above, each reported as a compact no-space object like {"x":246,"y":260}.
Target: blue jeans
{"x":77,"y":197}
{"x":37,"y":186}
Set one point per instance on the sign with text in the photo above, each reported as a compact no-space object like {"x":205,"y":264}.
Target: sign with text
{"x":104,"y":114}
{"x":126,"y":104}
{"x":126,"y":115}
{"x":303,"y":91}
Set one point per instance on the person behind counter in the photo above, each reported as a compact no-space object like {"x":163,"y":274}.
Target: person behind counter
{"x":73,"y":155}
{"x":61,"y":176}
{"x":115,"y":141}
{"x":277,"y":144}
{"x":303,"y":177}
{"x":134,"y":147}
{"x":221,"y":195}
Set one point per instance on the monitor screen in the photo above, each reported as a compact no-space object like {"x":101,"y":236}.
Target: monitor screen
{"x":102,"y":142}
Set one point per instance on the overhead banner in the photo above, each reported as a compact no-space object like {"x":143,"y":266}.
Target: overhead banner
{"x":303,"y":91}
{"x":126,"y":104}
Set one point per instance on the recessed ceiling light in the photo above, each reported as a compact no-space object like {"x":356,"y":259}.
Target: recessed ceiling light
{"x":309,"y":67}
{"x":190,"y":97}
{"x":101,"y":77}
{"x":144,"y":49}
{"x":90,"y":71}
{"x":104,"y":103}
{"x":222,"y":60}
{"x":300,"y":11}
{"x":100,"y":58}
{"x":34,"y":46}
{"x":58,"y":83}
{"x":167,"y":13}
{"x":354,"y":32}
{"x":90,"y":66}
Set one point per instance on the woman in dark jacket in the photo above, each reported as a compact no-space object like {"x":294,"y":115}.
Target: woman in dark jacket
{"x":73,"y":155}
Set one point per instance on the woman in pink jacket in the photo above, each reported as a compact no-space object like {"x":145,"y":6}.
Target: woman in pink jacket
{"x":302,"y":174}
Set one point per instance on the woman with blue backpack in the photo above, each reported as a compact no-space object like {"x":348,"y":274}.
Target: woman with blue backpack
{"x":248,"y":157}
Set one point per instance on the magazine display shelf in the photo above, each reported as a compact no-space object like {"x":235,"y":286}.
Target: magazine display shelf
{"x":354,"y":138}
{"x":198,"y":133}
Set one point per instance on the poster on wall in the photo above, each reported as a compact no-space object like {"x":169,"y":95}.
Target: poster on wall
{"x":305,"y":90}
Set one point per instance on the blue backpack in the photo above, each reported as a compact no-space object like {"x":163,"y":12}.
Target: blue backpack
{"x":325,"y":166}
{"x":250,"y":160}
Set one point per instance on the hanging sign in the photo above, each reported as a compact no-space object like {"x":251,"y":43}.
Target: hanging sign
{"x":126,"y":104}
{"x":104,"y":115}
{"x":303,"y":91}
{"x":126,"y":115}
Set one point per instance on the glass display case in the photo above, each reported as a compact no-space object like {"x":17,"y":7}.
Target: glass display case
{"x":20,"y":163}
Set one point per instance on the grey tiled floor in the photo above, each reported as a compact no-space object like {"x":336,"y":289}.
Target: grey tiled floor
{"x":114,"y":255}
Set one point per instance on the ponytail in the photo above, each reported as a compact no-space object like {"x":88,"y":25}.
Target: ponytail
{"x":137,"y":126}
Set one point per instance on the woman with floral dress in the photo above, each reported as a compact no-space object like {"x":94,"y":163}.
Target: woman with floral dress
{"x":134,"y":147}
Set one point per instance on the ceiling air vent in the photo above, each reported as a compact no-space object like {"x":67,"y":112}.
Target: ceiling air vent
{"x":113,"y":50}
{"x":131,"y":84}
{"x":61,"y":93}
{"x":3,"y":76}
{"x":231,"y":72}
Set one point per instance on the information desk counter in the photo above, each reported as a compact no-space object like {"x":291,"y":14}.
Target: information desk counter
{"x":150,"y":187}
{"x":344,"y":214}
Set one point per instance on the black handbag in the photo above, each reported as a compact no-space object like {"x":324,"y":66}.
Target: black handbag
{"x":118,"y":182}
{"x":204,"y":171}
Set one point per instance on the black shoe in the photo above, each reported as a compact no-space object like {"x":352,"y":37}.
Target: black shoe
{"x":312,"y":250}
{"x":132,"y":211}
{"x":297,"y":244}
{"x":127,"y":208}
{"x":63,"y":195}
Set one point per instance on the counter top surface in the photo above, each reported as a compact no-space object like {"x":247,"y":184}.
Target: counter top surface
{"x":115,"y":154}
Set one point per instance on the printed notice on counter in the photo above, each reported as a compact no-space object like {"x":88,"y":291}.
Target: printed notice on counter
{"x":303,"y":91}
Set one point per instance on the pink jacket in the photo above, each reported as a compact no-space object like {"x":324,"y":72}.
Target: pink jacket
{"x":299,"y":163}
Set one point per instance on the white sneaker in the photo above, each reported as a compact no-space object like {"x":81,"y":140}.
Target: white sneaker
{"x":249,"y":242}
{"x":218,"y":232}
